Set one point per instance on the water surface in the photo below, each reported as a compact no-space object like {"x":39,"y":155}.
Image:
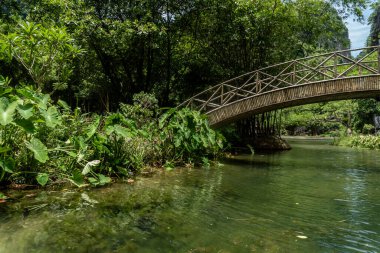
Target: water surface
{"x":314,"y":198}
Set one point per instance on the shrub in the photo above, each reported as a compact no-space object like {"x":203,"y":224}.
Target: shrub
{"x":41,"y":141}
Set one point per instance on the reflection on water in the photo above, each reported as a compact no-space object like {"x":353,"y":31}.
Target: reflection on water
{"x":314,"y":198}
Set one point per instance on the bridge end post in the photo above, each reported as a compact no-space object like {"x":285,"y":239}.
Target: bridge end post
{"x":378,"y":58}
{"x":335,"y":65}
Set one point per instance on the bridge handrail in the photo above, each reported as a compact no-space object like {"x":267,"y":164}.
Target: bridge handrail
{"x":319,"y":69}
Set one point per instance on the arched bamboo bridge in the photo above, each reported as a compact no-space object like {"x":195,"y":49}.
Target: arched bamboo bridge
{"x":326,"y":77}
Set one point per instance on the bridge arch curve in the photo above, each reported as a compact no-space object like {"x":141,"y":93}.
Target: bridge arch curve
{"x":349,"y":88}
{"x":327,"y":77}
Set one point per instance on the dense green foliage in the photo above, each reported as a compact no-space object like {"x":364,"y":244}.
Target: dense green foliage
{"x":332,"y":118}
{"x":96,"y":54}
{"x":343,"y":117}
{"x":99,"y":56}
{"x":360,"y":141}
{"x":374,"y":21}
{"x":43,"y":141}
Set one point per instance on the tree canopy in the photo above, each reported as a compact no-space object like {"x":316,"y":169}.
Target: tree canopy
{"x":96,"y":54}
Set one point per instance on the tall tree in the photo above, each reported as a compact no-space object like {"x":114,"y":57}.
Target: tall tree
{"x":173,"y":48}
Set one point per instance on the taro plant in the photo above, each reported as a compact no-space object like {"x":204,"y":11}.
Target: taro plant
{"x":42,"y":141}
{"x":115,"y":143}
{"x":34,"y":135}
{"x":24,"y":115}
{"x":186,"y":136}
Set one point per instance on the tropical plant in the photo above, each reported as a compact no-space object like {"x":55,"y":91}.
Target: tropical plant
{"x":186,"y":136}
{"x":46,"y":53}
{"x":360,"y":141}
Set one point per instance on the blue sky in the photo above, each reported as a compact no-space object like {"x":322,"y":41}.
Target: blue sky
{"x":358,"y":32}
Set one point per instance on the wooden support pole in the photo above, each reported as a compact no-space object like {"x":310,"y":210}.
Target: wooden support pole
{"x":222,"y":95}
{"x":378,"y":58}
{"x":258,"y":83}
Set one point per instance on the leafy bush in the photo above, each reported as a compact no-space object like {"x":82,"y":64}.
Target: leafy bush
{"x":46,"y":53}
{"x":42,"y":141}
{"x":368,"y":129}
{"x":360,"y":141}
{"x":144,"y":109}
{"x":27,"y":122}
{"x":186,"y":136}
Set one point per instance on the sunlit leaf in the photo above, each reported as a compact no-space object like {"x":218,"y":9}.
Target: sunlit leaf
{"x":103,"y":179}
{"x":91,"y":129}
{"x":87,"y":167}
{"x":122,"y":131}
{"x":51,"y":116}
{"x":64,"y":105}
{"x":43,"y":102}
{"x":6,"y":115}
{"x":42,"y":178}
{"x":165,"y":116}
{"x":26,"y":111}
{"x":39,"y":150}
{"x":5,"y":91}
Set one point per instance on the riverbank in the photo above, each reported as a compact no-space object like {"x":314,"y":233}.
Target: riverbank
{"x":288,"y":137}
{"x":359,"y":141}
{"x":353,"y":141}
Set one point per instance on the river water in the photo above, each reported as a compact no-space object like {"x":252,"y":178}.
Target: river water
{"x":314,"y":198}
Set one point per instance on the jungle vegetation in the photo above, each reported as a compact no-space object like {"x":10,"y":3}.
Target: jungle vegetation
{"x":352,"y":121}
{"x":84,"y":82}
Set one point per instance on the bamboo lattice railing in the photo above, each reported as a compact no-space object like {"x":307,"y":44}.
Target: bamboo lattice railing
{"x":330,"y":66}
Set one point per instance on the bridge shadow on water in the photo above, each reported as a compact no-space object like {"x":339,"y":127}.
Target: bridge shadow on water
{"x":259,"y":160}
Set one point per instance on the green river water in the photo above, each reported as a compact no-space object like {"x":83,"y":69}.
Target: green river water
{"x":314,"y":198}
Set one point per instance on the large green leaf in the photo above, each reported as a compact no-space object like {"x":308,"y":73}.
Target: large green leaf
{"x":119,"y":131}
{"x":42,"y":178}
{"x":4,"y":102}
{"x":27,"y":125}
{"x":8,"y":164}
{"x":27,"y":92}
{"x":26,"y":111}
{"x":7,"y":114}
{"x":4,"y":91}
{"x":39,"y":150}
{"x":103,"y":179}
{"x":64,"y":105}
{"x":91,"y":129}
{"x":51,"y":116}
{"x":122,"y":131}
{"x":165,"y":116}
{"x":87,"y":167}
{"x":77,"y":179}
{"x":43,"y":102}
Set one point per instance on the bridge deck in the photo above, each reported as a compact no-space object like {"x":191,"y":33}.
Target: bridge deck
{"x":327,"y":77}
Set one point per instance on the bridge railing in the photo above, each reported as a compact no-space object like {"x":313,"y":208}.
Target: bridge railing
{"x":329,"y":66}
